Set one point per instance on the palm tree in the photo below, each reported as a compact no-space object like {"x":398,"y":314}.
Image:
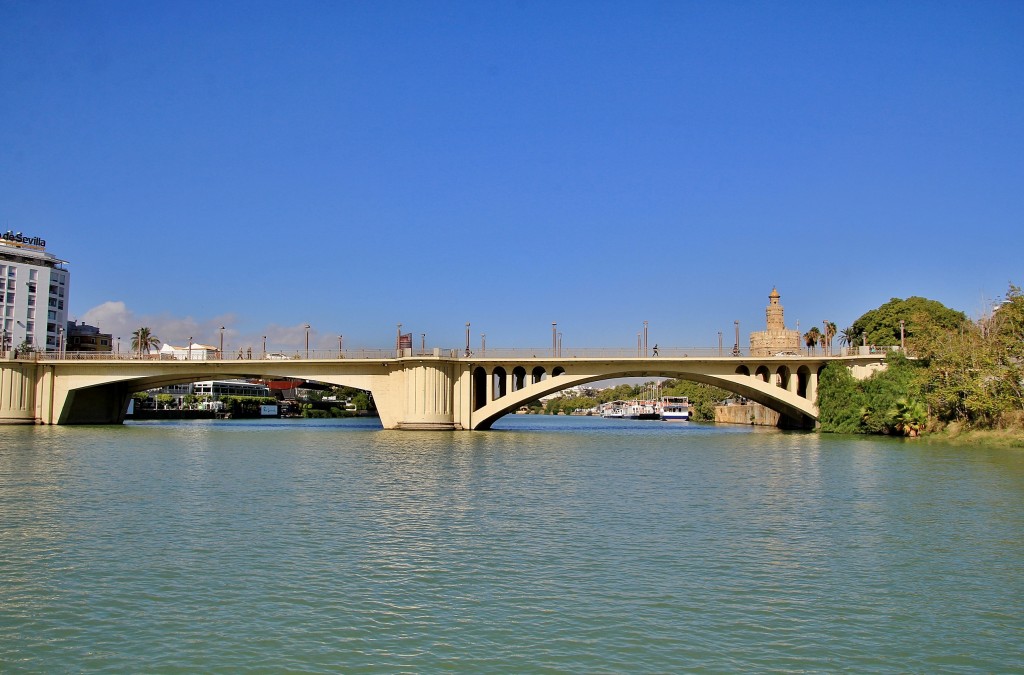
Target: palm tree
{"x":143,"y":340}
{"x":830,"y":332}
{"x":811,"y":339}
{"x":847,"y":337}
{"x":909,"y":417}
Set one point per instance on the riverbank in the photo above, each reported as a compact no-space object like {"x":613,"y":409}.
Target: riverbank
{"x":990,"y":438}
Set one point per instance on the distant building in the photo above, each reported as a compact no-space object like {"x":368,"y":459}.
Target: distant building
{"x":777,"y":339}
{"x":34,"y":288}
{"x":82,"y":337}
{"x":212,"y":388}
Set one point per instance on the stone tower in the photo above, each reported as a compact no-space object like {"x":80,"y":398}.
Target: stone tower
{"x":776,"y":339}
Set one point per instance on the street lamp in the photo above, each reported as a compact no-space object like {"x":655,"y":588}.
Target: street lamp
{"x":645,"y":339}
{"x":118,"y":344}
{"x":339,"y":346}
{"x":467,"y":339}
{"x":736,"y":345}
{"x":222,"y":342}
{"x":307,"y":340}
{"x":719,"y":343}
{"x":423,"y":343}
{"x":264,"y":346}
{"x":554,"y":338}
{"x":483,"y":344}
{"x":559,"y":344}
{"x":189,"y":347}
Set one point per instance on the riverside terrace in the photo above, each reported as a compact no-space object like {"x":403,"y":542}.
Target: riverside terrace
{"x":440,"y":390}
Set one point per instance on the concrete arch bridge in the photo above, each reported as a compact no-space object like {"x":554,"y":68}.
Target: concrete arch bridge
{"x":423,"y":392}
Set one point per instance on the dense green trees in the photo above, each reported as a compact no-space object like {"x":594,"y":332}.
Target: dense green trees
{"x":882,"y":326}
{"x":963,"y":372}
{"x":888,"y":402}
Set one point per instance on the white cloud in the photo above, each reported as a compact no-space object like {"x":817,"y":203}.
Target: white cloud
{"x":119,"y":320}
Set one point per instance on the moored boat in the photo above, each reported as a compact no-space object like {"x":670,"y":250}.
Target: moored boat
{"x":675,"y":408}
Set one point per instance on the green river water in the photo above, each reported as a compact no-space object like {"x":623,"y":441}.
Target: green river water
{"x":549,"y":545}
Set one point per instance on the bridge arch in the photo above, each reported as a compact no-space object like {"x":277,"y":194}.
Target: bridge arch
{"x":795,"y":410}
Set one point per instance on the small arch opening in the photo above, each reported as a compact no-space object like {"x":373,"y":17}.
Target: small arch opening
{"x":479,"y":388}
{"x":518,"y":378}
{"x":499,"y":382}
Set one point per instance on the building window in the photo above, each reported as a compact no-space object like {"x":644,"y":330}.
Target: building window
{"x":10,"y":298}
{"x":60,"y":304}
{"x":31,"y":301}
{"x":51,"y":315}
{"x":32,"y":275}
{"x":53,"y":290}
{"x":12,"y":272}
{"x":31,"y":313}
{"x":61,"y":293}
{"x":30,"y":326}
{"x":10,"y":285}
{"x":53,"y":301}
{"x":32,"y":286}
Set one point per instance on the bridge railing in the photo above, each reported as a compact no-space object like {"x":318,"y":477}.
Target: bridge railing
{"x":374,"y":354}
{"x":596,"y":353}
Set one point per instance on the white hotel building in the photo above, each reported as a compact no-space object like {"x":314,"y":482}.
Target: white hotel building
{"x":34,"y":296}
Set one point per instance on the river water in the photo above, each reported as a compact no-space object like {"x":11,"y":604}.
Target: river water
{"x":548,"y":545}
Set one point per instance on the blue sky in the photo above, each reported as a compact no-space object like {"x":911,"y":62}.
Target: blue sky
{"x":356,"y":165}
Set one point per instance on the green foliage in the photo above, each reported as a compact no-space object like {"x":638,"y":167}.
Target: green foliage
{"x":840,"y":401}
{"x":920,"y":316}
{"x":245,"y":406}
{"x":141,"y":396}
{"x":164,"y":400}
{"x":361,"y":401}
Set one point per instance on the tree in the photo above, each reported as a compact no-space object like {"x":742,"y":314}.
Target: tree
{"x":830,"y":332}
{"x":919,"y":315}
{"x":848,"y":338}
{"x":909,"y":417}
{"x":143,"y":341}
{"x":811,"y":339}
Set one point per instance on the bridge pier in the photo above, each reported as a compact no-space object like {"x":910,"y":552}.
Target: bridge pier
{"x":430,"y":396}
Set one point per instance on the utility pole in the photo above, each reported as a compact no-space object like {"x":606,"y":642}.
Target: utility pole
{"x":736,"y":345}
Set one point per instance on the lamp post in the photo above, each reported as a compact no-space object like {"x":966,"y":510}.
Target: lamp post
{"x":554,"y":338}
{"x":736,"y":345}
{"x":222,"y":342}
{"x":60,"y":340}
{"x":483,"y":344}
{"x":423,"y":343}
{"x":719,"y":343}
{"x":118,"y":344}
{"x":339,"y":346}
{"x":467,"y":339}
{"x":645,"y":339}
{"x":559,"y":344}
{"x":307,"y":340}
{"x":189,"y":347}
{"x":639,"y":343}
{"x":264,"y":346}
